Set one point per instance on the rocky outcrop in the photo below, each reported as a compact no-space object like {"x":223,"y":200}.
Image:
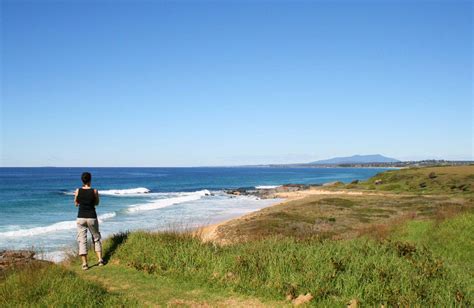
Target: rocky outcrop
{"x":16,"y":258}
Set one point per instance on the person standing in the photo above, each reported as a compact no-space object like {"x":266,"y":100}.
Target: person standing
{"x":87,"y":198}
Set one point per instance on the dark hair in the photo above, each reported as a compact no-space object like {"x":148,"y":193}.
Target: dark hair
{"x":86,"y":177}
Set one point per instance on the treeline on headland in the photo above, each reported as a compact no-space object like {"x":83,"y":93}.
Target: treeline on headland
{"x":398,"y":164}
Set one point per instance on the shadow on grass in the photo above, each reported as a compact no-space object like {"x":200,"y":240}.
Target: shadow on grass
{"x":115,"y":241}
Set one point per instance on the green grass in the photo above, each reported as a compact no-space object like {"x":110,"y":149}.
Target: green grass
{"x":394,"y":273}
{"x":51,"y":285}
{"x":432,"y":180}
{"x":159,"y":290}
{"x":114,"y":285}
{"x":336,"y":217}
{"x":423,"y":263}
{"x":163,"y":291}
{"x":452,"y":240}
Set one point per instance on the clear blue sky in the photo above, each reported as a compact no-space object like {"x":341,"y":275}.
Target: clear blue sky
{"x":211,"y":83}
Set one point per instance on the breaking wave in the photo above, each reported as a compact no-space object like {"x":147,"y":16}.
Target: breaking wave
{"x":176,"y":198}
{"x":119,"y":192}
{"x":130,"y":191}
{"x":161,"y":203}
{"x":59,"y":226}
{"x":267,"y":186}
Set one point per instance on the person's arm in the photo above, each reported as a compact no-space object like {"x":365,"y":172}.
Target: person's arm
{"x":97,"y":200}
{"x":75,"y":197}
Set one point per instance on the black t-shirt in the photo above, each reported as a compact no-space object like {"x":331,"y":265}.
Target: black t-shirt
{"x":86,"y":199}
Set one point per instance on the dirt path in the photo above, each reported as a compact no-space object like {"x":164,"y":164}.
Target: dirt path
{"x":159,"y":291}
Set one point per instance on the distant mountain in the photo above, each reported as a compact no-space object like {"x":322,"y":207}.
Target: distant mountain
{"x":356,"y":159}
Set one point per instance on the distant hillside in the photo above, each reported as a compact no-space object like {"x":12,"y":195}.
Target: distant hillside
{"x":356,"y":159}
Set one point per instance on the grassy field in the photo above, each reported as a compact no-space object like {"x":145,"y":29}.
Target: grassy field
{"x":399,"y":196}
{"x":434,"y":180}
{"x":339,"y":216}
{"x":389,"y":272}
{"x":399,"y":247}
{"x":48,"y":285}
{"x":413,"y":266}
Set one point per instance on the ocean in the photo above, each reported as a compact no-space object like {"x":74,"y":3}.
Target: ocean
{"x":37,"y":209}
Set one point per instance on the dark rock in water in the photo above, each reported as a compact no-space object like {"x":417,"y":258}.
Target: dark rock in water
{"x":268,"y":193}
{"x":241,"y":191}
{"x":355,"y":182}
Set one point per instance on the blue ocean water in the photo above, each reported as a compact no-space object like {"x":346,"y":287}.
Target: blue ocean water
{"x":37,"y":210}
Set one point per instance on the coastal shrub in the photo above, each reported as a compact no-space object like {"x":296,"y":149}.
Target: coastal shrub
{"x":434,"y":180}
{"x":49,"y":285}
{"x":393,"y":187}
{"x":392,"y":272}
{"x":338,"y":202}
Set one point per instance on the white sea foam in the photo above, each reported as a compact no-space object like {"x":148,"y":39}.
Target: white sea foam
{"x":53,"y":256}
{"x":59,"y":226}
{"x":267,"y":186}
{"x":120,"y":192}
{"x":130,"y":191}
{"x":161,"y":203}
{"x":175,"y":198}
{"x":63,"y":225}
{"x":106,"y":216}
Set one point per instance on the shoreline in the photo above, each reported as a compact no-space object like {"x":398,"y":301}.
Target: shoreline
{"x":208,"y":232}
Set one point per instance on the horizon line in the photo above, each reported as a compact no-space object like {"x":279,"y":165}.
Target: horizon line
{"x":250,"y":165}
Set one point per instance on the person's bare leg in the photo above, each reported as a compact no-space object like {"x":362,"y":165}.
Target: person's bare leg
{"x":82,"y":241}
{"x":93,"y":226}
{"x":99,"y":255}
{"x":84,"y":259}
